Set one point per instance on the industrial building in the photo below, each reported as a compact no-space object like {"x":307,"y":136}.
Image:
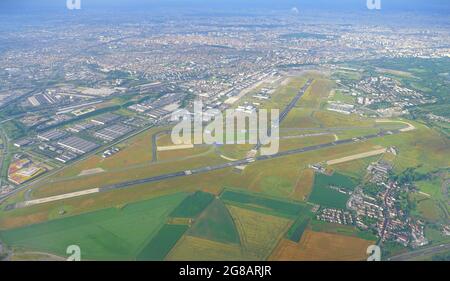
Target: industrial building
{"x":105,"y":118}
{"x":113,"y":132}
{"x":78,"y":145}
{"x":51,"y":135}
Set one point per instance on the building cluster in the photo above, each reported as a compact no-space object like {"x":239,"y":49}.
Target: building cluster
{"x":381,"y":211}
{"x":23,"y":169}
{"x":341,"y":107}
{"x":69,"y":143}
{"x":335,"y":216}
{"x":387,"y":96}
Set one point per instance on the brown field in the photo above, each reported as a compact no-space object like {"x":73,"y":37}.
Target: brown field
{"x":199,"y":249}
{"x":304,"y":185}
{"x":259,"y":232}
{"x":319,"y":246}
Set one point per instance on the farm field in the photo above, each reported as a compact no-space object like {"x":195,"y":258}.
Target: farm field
{"x":259,"y":232}
{"x":319,"y":246}
{"x":324,"y":194}
{"x":265,"y":204}
{"x":266,"y":215}
{"x":199,"y":249}
{"x":162,"y":243}
{"x":216,"y":224}
{"x":109,"y":234}
{"x":193,"y":205}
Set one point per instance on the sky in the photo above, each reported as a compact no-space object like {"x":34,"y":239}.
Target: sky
{"x":42,"y":6}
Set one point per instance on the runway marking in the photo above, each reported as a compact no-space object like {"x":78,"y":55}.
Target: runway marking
{"x":407,"y":129}
{"x":357,"y":156}
{"x":60,"y":197}
{"x":175,"y":147}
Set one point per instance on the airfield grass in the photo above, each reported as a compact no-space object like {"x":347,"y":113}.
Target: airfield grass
{"x":40,"y":213}
{"x":259,"y":232}
{"x":432,"y":188}
{"x":339,"y":96}
{"x":300,"y":118}
{"x":423,"y":148}
{"x":190,"y":153}
{"x":316,"y":94}
{"x":289,"y":167}
{"x":304,"y":185}
{"x":108,"y":234}
{"x":122,"y":174}
{"x":331,"y":119}
{"x":427,"y":208}
{"x":277,"y":186}
{"x":216,"y":224}
{"x":234,"y":151}
{"x":165,"y":140}
{"x":285,"y":93}
{"x":356,"y":132}
{"x":294,"y":143}
{"x":320,"y":246}
{"x":356,"y":168}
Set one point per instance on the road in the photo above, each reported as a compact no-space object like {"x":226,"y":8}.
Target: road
{"x":421,"y":252}
{"x":155,"y":145}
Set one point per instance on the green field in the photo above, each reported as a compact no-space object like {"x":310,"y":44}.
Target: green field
{"x":347,"y":230}
{"x":324,"y":195}
{"x":216,"y":224}
{"x":299,"y":226}
{"x":108,"y":234}
{"x":336,"y":179}
{"x":162,"y":243}
{"x":259,"y":233}
{"x":262,"y":203}
{"x":193,"y":205}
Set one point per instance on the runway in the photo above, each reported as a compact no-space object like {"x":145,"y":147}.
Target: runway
{"x":205,"y":169}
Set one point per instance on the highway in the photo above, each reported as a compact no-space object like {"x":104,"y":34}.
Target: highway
{"x":421,"y":252}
